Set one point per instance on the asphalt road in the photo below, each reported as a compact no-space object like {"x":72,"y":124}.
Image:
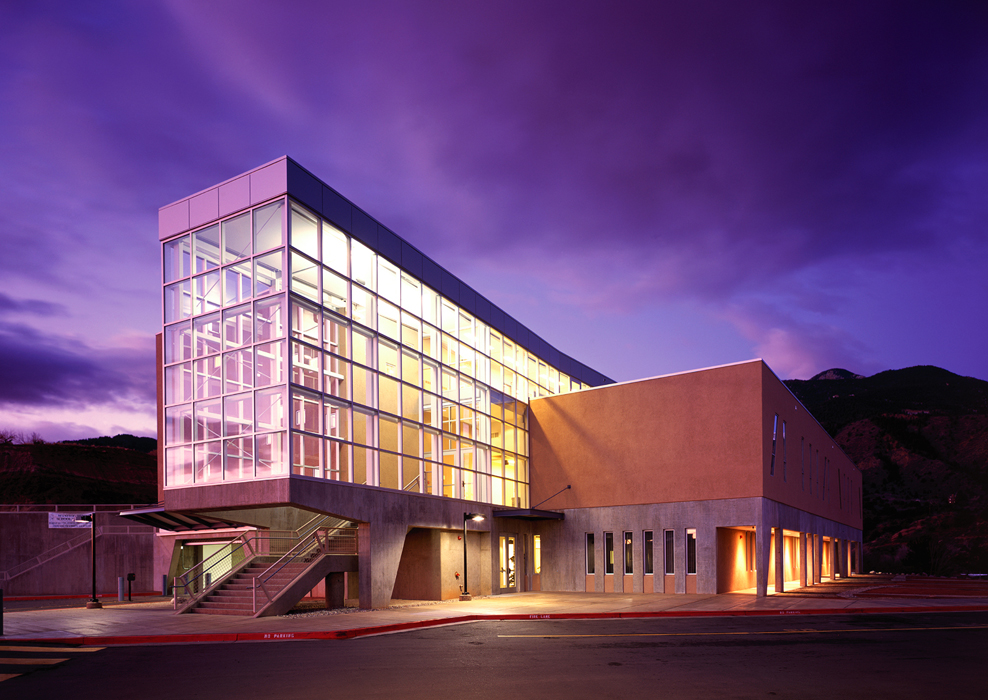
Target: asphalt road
{"x":941,"y":655}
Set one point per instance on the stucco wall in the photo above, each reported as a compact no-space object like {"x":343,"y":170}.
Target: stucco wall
{"x":812,"y":473}
{"x":684,"y":437}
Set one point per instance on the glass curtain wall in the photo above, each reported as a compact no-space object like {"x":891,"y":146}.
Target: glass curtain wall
{"x":290,"y":347}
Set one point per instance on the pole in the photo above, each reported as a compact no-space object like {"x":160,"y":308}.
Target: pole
{"x":94,"y":603}
{"x":466,"y":588}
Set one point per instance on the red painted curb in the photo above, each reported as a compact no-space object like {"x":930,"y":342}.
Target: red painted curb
{"x":73,"y":597}
{"x":419,"y":624}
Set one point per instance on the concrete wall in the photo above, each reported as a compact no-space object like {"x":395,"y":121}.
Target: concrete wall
{"x":123,"y":548}
{"x":431,"y":565}
{"x":564,"y":542}
{"x":718,"y":525}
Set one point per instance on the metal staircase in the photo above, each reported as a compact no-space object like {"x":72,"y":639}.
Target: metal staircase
{"x":256,"y":579}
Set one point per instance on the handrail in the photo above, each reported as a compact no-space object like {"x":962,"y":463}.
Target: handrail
{"x":191,"y":585}
{"x":52,"y":553}
{"x":196,"y":582}
{"x":304,"y":551}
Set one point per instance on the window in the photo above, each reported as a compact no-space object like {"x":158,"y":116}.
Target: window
{"x":802,"y":463}
{"x":784,"y":451}
{"x":647,"y":552}
{"x":670,"y":553}
{"x":775,"y":428}
{"x":590,"y":554}
{"x":691,"y":551}
{"x":608,"y":552}
{"x":629,"y":554}
{"x":811,"y":467}
{"x":537,"y":549}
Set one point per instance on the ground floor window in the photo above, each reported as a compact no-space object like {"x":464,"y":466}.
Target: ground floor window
{"x":629,"y":554}
{"x":590,"y":554}
{"x":670,"y":553}
{"x":608,"y":552}
{"x":691,"y":551}
{"x":647,"y":552}
{"x":537,"y":549}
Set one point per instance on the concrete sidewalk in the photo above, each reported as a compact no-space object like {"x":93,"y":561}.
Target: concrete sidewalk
{"x":155,"y":622}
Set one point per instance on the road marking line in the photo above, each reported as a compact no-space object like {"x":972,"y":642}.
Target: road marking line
{"x":54,"y":650}
{"x":728,"y":634}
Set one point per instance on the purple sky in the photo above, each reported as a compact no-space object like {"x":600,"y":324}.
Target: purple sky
{"x":651,"y":186}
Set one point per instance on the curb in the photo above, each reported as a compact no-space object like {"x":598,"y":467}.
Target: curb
{"x":354,"y":633}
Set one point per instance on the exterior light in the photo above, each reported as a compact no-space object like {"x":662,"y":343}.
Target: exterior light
{"x":476,"y":517}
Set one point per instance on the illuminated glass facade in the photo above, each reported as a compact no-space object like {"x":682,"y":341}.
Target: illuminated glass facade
{"x":291,"y":348}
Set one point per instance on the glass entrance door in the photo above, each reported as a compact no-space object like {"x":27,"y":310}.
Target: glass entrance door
{"x":507,"y":564}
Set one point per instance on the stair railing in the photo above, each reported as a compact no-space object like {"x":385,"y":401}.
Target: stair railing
{"x":49,"y":554}
{"x":337,"y":540}
{"x":198,"y":579}
{"x":202,"y":578}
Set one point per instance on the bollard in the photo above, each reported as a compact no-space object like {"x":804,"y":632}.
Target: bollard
{"x":1,"y":612}
{"x":120,"y":589}
{"x":164,"y":584}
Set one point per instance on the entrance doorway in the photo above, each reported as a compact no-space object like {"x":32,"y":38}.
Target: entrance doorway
{"x":506,"y":563}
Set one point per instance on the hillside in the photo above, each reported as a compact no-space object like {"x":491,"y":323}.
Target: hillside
{"x":72,"y":473}
{"x":920,"y":437}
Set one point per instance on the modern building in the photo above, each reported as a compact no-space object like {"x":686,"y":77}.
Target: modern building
{"x":312,"y":362}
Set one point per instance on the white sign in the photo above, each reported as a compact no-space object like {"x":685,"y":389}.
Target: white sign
{"x":64,"y":520}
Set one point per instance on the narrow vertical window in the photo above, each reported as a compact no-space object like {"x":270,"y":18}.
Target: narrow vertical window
{"x":784,"y":451}
{"x":775,"y":428}
{"x":590,"y":554}
{"x":629,"y":554}
{"x":691,"y":551}
{"x":647,"y":560}
{"x":802,"y":463}
{"x":537,"y":550}
{"x":608,"y":552}
{"x":811,"y":467}
{"x":670,"y":553}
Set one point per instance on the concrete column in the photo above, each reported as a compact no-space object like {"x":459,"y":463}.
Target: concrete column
{"x":379,"y":550}
{"x":335,"y":591}
{"x":859,"y":557}
{"x":803,"y":560}
{"x":817,"y":558}
{"x":780,"y":574}
{"x":834,"y":559}
{"x":763,"y":544}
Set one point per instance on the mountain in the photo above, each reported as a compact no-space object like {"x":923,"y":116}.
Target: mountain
{"x":67,"y":473}
{"x":920,"y":437}
{"x":131,"y":442}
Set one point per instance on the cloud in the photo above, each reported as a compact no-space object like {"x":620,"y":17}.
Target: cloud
{"x":34,"y":307}
{"x":45,"y":370}
{"x":799,"y":347}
